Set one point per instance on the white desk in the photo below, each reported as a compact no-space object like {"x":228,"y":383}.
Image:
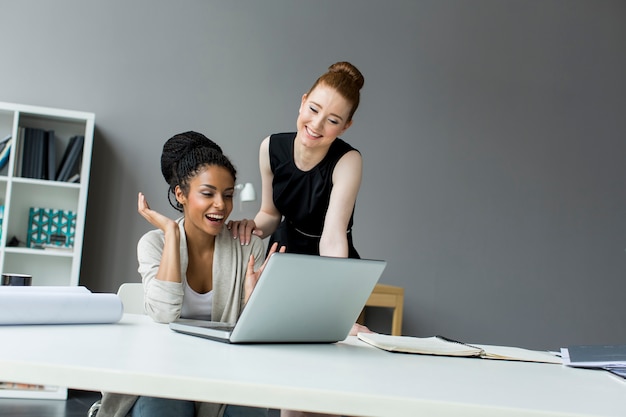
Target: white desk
{"x":141,"y":357}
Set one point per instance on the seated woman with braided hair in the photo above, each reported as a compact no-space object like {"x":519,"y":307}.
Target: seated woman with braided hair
{"x":191,"y":267}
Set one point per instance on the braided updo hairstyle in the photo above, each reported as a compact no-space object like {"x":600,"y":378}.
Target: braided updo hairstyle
{"x":184,"y":156}
{"x":347,"y":80}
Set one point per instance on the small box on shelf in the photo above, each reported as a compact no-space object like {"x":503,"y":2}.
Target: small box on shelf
{"x":50,"y":228}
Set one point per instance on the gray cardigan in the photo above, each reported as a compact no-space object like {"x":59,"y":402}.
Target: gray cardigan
{"x":163,"y":300}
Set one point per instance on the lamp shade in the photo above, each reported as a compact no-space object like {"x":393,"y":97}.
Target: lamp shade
{"x":246,"y":192}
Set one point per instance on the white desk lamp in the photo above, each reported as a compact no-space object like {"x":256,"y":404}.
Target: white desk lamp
{"x":246,"y":193}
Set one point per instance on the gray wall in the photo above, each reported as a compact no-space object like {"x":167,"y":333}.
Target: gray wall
{"x":493,"y":135}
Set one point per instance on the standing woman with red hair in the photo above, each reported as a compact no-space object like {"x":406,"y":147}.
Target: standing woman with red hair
{"x":311,"y":177}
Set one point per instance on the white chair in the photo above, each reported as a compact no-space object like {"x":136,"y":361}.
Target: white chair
{"x":131,"y":294}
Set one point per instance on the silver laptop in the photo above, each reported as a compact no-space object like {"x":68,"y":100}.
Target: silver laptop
{"x":298,"y":299}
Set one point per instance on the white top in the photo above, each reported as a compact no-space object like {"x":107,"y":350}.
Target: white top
{"x":196,"y":305}
{"x":163,"y":300}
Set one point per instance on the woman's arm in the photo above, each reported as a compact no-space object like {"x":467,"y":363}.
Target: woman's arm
{"x":159,"y":266}
{"x":169,"y":267}
{"x":346,"y":182}
{"x":268,"y":218}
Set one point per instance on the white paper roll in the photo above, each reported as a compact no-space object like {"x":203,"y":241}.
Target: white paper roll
{"x":59,"y":307}
{"x":44,"y":288}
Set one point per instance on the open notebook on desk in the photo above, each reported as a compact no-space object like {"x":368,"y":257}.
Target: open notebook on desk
{"x":439,"y":345}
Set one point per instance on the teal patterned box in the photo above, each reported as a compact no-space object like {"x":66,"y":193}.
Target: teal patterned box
{"x":50,"y":228}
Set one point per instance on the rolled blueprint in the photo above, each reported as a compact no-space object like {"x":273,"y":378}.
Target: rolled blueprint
{"x":44,"y":288}
{"x":60,"y":305}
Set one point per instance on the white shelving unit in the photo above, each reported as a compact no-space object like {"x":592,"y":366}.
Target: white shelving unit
{"x":57,"y":267}
{"x":18,"y":194}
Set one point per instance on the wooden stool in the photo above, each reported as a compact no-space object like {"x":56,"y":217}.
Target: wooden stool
{"x":387,"y":296}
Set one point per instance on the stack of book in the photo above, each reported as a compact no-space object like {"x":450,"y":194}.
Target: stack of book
{"x":70,"y":164}
{"x":36,"y":156}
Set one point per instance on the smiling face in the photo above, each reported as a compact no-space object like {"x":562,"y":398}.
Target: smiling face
{"x":208,"y":201}
{"x":322,"y":117}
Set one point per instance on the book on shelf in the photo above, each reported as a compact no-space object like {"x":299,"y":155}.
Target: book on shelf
{"x":443,"y":346}
{"x":4,"y":141}
{"x":74,"y":178}
{"x":19,"y":151}
{"x":34,"y":153}
{"x":70,"y":162}
{"x":40,"y":156}
{"x":19,"y":390}
{"x":5,"y":151}
{"x":50,"y":162}
{"x":28,"y":152}
{"x":18,"y":386}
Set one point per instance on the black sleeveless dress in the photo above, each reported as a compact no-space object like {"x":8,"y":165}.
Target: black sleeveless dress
{"x":302,"y":197}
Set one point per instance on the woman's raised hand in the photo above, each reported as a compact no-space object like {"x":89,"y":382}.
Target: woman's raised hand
{"x":155,"y":218}
{"x":252,"y":276}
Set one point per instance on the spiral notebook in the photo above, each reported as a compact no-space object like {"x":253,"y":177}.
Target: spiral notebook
{"x":443,"y":346}
{"x":298,"y":299}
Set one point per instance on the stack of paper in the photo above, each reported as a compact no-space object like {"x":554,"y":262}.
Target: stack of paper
{"x":609,"y":357}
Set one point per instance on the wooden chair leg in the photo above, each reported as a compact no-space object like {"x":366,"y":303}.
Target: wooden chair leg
{"x":390,"y":297}
{"x":396,"y":321}
{"x":361,"y":318}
